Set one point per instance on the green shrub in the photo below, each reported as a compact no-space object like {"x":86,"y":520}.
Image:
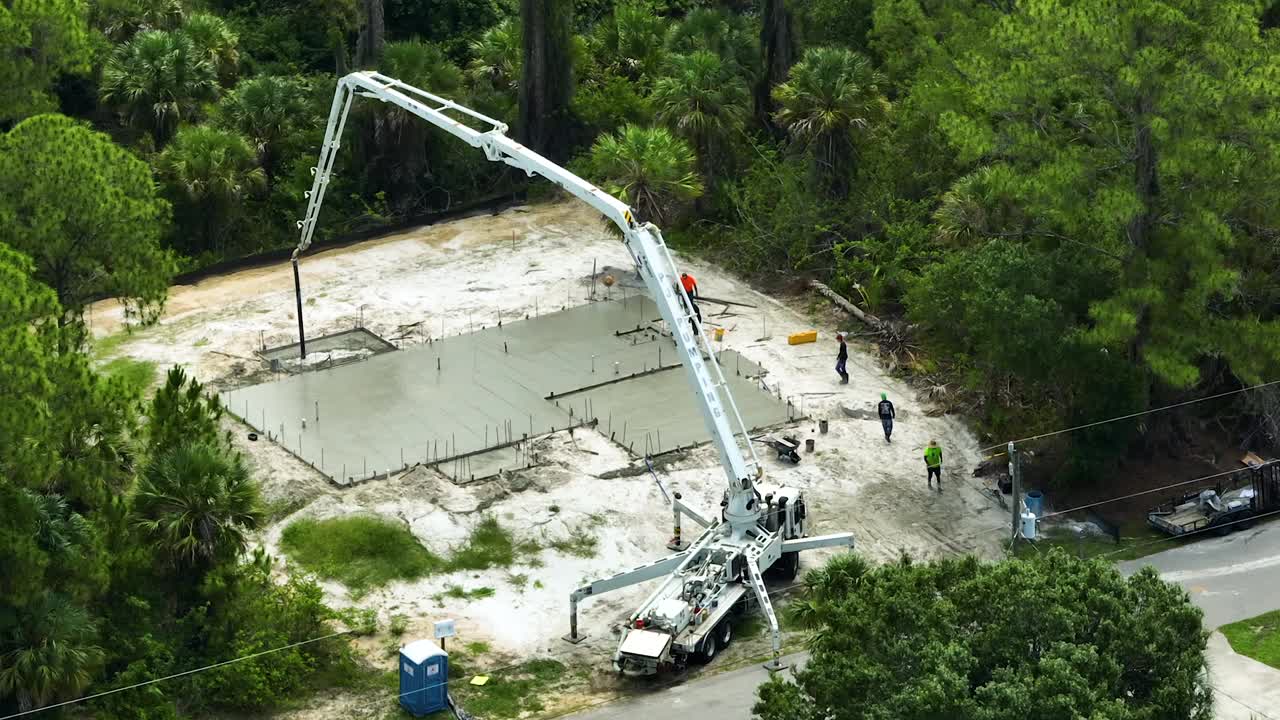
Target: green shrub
{"x":259,"y":614}
{"x":359,"y":552}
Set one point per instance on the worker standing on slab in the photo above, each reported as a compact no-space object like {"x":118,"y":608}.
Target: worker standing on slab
{"x":691,"y":293}
{"x":841,"y":358}
{"x":690,"y":287}
{"x":887,"y":414}
{"x":933,"y":459}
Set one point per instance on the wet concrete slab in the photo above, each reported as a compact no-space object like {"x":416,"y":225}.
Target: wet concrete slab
{"x":474,"y":395}
{"x":659,"y":412}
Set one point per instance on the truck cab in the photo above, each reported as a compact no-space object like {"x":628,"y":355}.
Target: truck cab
{"x":691,"y":619}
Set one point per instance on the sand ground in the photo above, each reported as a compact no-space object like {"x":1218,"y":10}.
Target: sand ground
{"x":451,"y":277}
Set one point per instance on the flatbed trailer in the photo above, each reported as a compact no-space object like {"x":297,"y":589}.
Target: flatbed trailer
{"x":1231,"y":504}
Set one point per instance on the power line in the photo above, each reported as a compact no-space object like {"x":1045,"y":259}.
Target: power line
{"x":1183,"y":536}
{"x":750,"y":600}
{"x":1005,"y":528}
{"x":1143,"y":492}
{"x":174,"y":676}
{"x":1132,"y":415}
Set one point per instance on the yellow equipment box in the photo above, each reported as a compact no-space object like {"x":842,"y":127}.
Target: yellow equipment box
{"x":800,"y":338}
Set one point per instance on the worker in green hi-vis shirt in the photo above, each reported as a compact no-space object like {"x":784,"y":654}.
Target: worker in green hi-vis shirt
{"x":933,"y":459}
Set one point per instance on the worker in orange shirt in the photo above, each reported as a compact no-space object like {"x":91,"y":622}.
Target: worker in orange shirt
{"x":691,"y":293}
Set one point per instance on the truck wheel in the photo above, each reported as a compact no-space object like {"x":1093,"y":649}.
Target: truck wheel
{"x":709,"y":648}
{"x":1222,"y":530}
{"x":1244,"y":522}
{"x":726,"y":632}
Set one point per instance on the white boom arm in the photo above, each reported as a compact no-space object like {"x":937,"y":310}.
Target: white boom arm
{"x":643,"y":241}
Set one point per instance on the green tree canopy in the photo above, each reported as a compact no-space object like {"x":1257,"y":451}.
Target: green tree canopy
{"x":212,"y":171}
{"x":215,"y":39}
{"x":198,"y":503}
{"x":496,"y":56}
{"x":402,"y":152}
{"x":725,"y":34}
{"x":122,"y":19}
{"x":86,"y":212}
{"x":1041,"y":639}
{"x":158,"y":79}
{"x":274,"y":113}
{"x":39,"y":40}
{"x":705,"y":102}
{"x":634,"y":39}
{"x":54,"y":655}
{"x":648,"y":168}
{"x":830,"y":95}
{"x":182,"y":412}
{"x":63,"y":454}
{"x":1110,"y":195}
{"x":1146,"y":138}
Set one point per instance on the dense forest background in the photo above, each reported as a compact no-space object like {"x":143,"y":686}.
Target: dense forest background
{"x":1070,"y":205}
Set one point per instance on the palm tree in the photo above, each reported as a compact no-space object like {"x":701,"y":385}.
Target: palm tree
{"x":210,"y":171}
{"x":702,"y":101}
{"x":649,"y":168}
{"x":726,"y":34}
{"x":825,"y":588}
{"x":159,"y":79}
{"x":198,"y":504}
{"x":400,"y":139}
{"x":634,"y":39}
{"x":497,"y":56}
{"x":61,"y":532}
{"x":830,"y":94}
{"x":216,"y":41}
{"x":122,"y":19}
{"x":421,"y":64}
{"x":48,"y":654}
{"x":270,"y":111}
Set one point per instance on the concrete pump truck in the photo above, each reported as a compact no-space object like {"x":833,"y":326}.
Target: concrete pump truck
{"x":688,"y":617}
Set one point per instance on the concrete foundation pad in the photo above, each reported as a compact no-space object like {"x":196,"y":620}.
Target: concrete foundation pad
{"x":466,"y":402}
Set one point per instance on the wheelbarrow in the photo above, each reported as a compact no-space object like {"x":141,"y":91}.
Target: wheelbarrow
{"x":787,"y":447}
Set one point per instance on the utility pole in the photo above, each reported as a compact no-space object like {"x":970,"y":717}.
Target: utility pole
{"x":1015,"y":475}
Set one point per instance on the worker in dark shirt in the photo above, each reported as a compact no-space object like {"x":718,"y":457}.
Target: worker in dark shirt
{"x":841,"y":359}
{"x":885,"y":408}
{"x":691,"y":293}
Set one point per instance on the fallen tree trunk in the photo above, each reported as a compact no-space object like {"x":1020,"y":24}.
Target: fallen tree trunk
{"x":871,"y":321}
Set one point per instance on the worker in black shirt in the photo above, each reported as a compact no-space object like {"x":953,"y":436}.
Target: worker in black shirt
{"x":885,"y":408}
{"x":841,"y":358}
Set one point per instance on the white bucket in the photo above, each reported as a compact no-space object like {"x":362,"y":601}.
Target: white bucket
{"x":1029,"y":525}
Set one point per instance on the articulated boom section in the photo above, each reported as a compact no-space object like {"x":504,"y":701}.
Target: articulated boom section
{"x":643,"y":240}
{"x":719,"y":412}
{"x":690,"y":611}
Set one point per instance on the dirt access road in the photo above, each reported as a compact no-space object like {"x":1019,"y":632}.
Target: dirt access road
{"x":450,"y":277}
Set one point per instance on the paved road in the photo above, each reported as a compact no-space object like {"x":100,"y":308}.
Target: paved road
{"x":1230,"y":578}
{"x":728,"y":696}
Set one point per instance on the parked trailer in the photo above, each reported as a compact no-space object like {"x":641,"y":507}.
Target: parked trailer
{"x":1231,"y":504}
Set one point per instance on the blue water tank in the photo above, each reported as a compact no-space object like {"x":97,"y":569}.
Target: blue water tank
{"x":424,"y":673}
{"x":1035,"y":503}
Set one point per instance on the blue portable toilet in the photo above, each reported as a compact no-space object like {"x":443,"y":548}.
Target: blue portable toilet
{"x":424,"y":673}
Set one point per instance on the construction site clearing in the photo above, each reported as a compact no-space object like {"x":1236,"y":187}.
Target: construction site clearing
{"x":519,"y":387}
{"x":605,"y":365}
